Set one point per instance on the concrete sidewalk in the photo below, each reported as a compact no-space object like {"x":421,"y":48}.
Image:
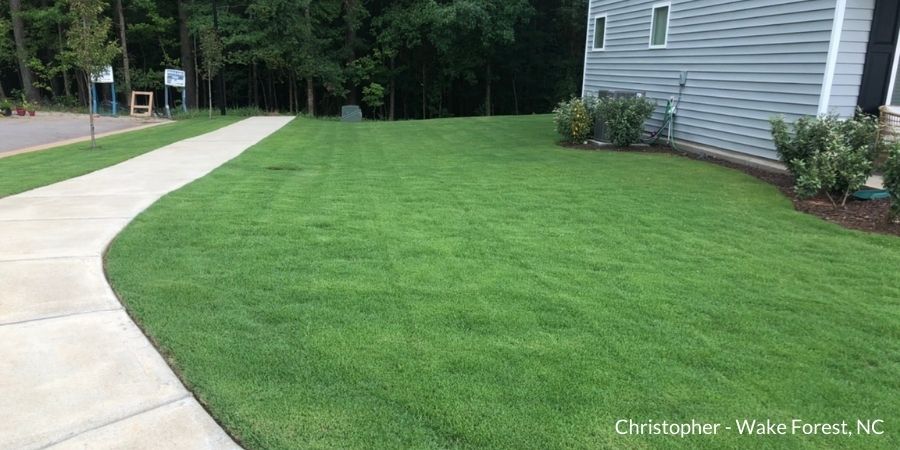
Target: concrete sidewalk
{"x":75,"y":371}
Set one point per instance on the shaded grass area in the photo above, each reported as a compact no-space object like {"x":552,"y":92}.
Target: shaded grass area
{"x":27,"y":171}
{"x":466,"y":283}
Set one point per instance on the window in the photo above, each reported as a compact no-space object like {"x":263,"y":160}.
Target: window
{"x":600,"y":33}
{"x":659,"y":27}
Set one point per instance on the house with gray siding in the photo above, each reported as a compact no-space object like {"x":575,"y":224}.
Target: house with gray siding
{"x":744,"y":61}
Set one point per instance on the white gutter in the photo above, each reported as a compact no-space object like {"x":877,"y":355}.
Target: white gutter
{"x":834,"y":45}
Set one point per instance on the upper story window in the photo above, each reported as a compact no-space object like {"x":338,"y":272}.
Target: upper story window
{"x":659,"y":27}
{"x":599,"y":33}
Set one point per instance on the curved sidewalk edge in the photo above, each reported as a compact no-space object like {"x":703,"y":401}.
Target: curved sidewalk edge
{"x":76,"y":371}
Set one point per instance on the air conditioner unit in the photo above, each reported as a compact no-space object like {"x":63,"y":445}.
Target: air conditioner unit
{"x":600,"y":132}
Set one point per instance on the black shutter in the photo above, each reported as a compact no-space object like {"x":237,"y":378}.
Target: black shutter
{"x":880,"y":55}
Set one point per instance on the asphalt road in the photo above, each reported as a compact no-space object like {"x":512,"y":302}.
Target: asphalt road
{"x":17,"y":133}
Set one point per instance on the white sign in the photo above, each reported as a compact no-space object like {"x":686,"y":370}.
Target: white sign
{"x":174,"y":77}
{"x":106,"y":76}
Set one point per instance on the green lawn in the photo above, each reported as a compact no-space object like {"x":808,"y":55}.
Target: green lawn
{"x":27,"y":171}
{"x":467,"y":283}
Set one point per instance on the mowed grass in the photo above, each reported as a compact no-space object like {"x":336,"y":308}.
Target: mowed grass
{"x":27,"y":171}
{"x":467,"y":283}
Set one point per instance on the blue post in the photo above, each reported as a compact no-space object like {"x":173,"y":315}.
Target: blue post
{"x":184,"y":99}
{"x":114,"y":104}
{"x":94,"y":98}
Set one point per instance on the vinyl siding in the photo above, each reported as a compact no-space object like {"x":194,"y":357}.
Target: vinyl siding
{"x":747,"y":60}
{"x":851,"y":57}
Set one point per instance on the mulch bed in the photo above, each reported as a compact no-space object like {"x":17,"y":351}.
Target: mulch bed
{"x":862,"y":215}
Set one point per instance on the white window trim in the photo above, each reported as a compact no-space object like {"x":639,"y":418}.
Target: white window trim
{"x":587,"y":44}
{"x":594,"y":35}
{"x":834,"y":45}
{"x":893,"y":82}
{"x":653,"y":23}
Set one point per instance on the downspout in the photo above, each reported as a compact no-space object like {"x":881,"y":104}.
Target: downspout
{"x":834,"y":45}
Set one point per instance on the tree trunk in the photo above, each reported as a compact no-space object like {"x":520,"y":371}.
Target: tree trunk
{"x":290,"y":85}
{"x":65,"y":73}
{"x":393,"y":96}
{"x":424,"y":97}
{"x":487,"y":91}
{"x":25,"y":74}
{"x":126,"y":66}
{"x":66,"y":83}
{"x":80,"y":82}
{"x":187,"y":55}
{"x":310,"y":97}
{"x":249,"y":86}
{"x":90,"y":96}
{"x":2,"y":92}
{"x":265,"y":94}
{"x":296,"y":108}
{"x":196,"y":74}
{"x":349,"y":43}
{"x":209,"y":95}
{"x":515,"y":96}
{"x":255,"y":82}
{"x":275,"y":106}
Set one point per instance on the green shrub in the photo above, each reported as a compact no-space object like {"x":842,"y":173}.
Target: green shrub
{"x":373,"y":95}
{"x":892,"y":178}
{"x":838,"y":171}
{"x":625,"y":118}
{"x":808,"y":138}
{"x":247,"y":111}
{"x":575,"y":120}
{"x":826,"y":154}
{"x":862,"y":132}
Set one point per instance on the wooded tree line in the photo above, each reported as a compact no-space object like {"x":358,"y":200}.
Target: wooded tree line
{"x":396,"y":58}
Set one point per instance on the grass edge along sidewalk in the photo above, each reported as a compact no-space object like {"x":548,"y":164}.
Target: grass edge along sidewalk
{"x":26,"y":171}
{"x":467,"y":283}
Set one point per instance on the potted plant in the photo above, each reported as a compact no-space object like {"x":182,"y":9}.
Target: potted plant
{"x":20,"y":107}
{"x":6,"y":107}
{"x":31,"y":108}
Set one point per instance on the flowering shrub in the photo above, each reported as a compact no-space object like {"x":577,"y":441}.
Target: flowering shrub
{"x":574,"y":119}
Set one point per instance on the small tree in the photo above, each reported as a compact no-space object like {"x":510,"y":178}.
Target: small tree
{"x":89,"y":46}
{"x":373,"y":95}
{"x":212,"y":50}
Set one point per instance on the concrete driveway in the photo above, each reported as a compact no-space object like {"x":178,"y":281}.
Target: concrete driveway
{"x":18,"y":133}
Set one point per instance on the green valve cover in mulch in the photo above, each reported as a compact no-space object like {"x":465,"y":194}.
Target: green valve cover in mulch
{"x":871,"y":194}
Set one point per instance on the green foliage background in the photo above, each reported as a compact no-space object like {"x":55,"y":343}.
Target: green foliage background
{"x":439,"y":58}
